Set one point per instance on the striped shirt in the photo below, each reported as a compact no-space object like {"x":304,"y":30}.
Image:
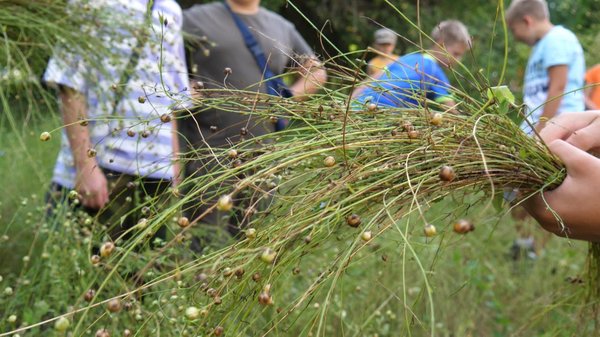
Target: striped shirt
{"x":130,"y":139}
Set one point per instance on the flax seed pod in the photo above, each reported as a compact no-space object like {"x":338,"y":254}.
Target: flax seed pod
{"x":353,"y":220}
{"x":447,"y":173}
{"x":429,"y":230}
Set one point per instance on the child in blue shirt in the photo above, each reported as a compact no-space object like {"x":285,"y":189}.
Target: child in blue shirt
{"x":417,"y":77}
{"x":554,"y":77}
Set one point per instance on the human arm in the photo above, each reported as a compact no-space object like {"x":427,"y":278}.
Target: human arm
{"x":557,"y":82}
{"x":90,"y":181}
{"x":311,"y":71}
{"x":312,"y":77}
{"x":571,"y":136}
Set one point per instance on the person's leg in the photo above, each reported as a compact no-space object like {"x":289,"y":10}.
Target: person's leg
{"x":156,"y":198}
{"x":213,"y":227}
{"x":131,"y":199}
{"x":198,"y":202}
{"x":118,"y":215}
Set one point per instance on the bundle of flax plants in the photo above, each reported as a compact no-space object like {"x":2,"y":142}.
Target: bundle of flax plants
{"x":334,"y":184}
{"x":30,"y":30}
{"x":349,"y":175}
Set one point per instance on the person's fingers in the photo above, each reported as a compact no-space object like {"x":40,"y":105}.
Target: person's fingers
{"x":86,"y":197}
{"x":95,"y":199}
{"x":90,"y":202}
{"x":578,"y":162}
{"x":587,"y":138}
{"x":564,"y":125}
{"x":538,"y":209}
{"x":98,"y":201}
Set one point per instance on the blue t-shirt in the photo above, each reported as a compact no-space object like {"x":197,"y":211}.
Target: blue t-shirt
{"x":407,"y":82}
{"x":558,"y":47}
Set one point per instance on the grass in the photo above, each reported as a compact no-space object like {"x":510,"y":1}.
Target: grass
{"x":478,"y":290}
{"x":27,"y":168}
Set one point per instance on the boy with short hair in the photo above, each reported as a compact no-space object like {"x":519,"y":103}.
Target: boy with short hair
{"x":418,"y":77}
{"x":555,"y":70}
{"x":556,"y":67}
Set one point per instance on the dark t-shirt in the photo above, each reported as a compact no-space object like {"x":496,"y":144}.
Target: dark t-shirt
{"x":218,"y":44}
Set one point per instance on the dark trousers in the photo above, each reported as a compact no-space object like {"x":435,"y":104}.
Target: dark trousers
{"x":246,"y":202}
{"x":197,"y":206}
{"x":130,"y":199}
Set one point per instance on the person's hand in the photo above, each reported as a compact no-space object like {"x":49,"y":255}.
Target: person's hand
{"x":92,"y":186}
{"x":577,"y":200}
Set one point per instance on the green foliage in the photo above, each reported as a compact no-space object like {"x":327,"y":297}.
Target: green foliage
{"x":476,"y":286}
{"x":353,"y":22}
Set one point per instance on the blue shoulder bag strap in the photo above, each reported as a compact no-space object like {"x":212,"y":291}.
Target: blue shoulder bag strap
{"x":275,"y":85}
